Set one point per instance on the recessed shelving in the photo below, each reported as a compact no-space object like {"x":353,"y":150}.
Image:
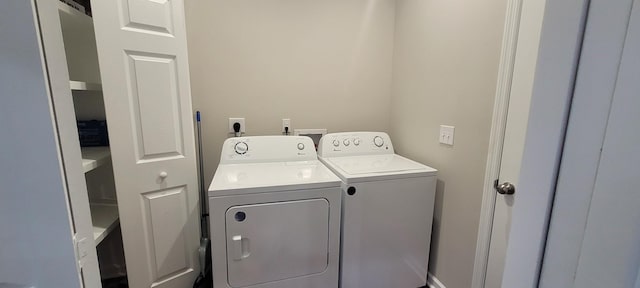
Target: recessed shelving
{"x":70,"y":11}
{"x":84,"y":86}
{"x":105,"y":219}
{"x":94,"y":157}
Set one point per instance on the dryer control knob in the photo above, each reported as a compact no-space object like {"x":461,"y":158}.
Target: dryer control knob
{"x":378,"y":141}
{"x":346,"y":142}
{"x":356,"y":142}
{"x":336,"y":143}
{"x":241,"y":148}
{"x":300,"y":146}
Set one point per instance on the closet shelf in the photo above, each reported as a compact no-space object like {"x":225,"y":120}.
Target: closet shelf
{"x":71,"y":12}
{"x":105,"y":219}
{"x":94,"y":157}
{"x":84,"y":86}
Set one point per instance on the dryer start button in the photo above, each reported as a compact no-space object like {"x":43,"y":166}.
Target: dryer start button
{"x":241,"y":148}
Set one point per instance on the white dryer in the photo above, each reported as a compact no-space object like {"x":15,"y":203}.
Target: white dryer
{"x":275,"y":215}
{"x":387,"y":211}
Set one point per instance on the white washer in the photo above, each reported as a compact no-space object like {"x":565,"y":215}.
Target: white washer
{"x":387,"y":211}
{"x":275,"y":215}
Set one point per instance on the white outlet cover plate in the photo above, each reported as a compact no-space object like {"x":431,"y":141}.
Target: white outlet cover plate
{"x":286,"y":122}
{"x":232,"y":121}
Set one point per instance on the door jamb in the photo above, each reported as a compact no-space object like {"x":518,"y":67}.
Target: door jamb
{"x":496,"y":139}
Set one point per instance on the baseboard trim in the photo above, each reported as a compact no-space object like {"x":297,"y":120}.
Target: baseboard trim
{"x":433,"y":282}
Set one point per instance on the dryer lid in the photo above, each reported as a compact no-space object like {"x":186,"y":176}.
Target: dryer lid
{"x":234,"y":179}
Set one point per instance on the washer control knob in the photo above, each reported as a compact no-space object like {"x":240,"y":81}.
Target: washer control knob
{"x":356,"y":142}
{"x":300,"y":146}
{"x":346,"y":142}
{"x":336,"y":143}
{"x":241,"y":148}
{"x":378,"y":141}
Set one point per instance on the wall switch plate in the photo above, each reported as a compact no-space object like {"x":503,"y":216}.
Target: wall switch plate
{"x":446,"y":134}
{"x":232,"y":121}
{"x":286,"y":123}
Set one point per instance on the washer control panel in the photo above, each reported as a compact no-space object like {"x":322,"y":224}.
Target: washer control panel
{"x":267,"y":149}
{"x":355,"y":143}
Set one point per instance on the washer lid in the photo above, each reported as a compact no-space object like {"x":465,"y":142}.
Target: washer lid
{"x":234,"y":179}
{"x":368,"y":167}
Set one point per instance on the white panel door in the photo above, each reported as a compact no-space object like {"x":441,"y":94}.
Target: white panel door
{"x":142,"y":52}
{"x":514,"y":138}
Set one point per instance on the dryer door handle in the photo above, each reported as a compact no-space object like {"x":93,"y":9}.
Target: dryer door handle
{"x":240,"y":247}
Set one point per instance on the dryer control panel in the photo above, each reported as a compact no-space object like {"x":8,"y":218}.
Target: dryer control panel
{"x":355,"y":143}
{"x":263,"y":149}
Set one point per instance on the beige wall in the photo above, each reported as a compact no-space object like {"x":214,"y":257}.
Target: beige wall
{"x":324,"y":64}
{"x":402,"y":66}
{"x":445,"y":71}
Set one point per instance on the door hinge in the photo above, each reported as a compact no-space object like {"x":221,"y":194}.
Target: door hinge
{"x":82,"y":251}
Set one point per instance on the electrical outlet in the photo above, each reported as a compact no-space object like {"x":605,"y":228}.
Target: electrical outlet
{"x":446,"y":134}
{"x":286,"y":123}
{"x":232,"y":121}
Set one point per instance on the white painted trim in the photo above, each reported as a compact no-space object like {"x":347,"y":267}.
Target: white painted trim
{"x":433,"y":282}
{"x":496,"y":139}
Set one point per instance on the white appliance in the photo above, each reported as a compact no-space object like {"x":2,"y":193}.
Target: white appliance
{"x":387,"y":211}
{"x":275,"y":215}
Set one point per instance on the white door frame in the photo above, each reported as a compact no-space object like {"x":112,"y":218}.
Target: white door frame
{"x":496,"y":139}
{"x":560,"y":45}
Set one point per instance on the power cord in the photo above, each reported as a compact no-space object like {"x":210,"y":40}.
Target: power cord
{"x":236,"y":128}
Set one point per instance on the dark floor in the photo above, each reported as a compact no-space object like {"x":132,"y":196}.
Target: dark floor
{"x":120,"y":282}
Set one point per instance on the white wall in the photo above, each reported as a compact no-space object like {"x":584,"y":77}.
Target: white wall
{"x":324,"y":64}
{"x":36,"y":246}
{"x":445,"y":71}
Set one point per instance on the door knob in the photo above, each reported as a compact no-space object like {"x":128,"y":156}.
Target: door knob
{"x":163,"y":174}
{"x":506,"y":188}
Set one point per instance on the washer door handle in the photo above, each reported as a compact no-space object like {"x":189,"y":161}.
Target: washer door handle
{"x":240,"y":247}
